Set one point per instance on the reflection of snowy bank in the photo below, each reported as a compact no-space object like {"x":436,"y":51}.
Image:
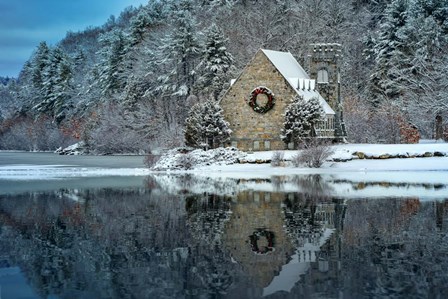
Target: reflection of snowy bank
{"x":423,"y":185}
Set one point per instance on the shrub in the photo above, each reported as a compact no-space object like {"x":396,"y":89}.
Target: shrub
{"x":186,"y":161}
{"x":277,"y":158}
{"x":314,"y":155}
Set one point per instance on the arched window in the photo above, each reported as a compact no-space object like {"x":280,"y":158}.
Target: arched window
{"x":322,"y":76}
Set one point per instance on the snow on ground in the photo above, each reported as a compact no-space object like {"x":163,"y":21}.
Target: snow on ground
{"x":221,"y":161}
{"x":173,"y":159}
{"x":392,"y":149}
{"x":396,"y":167}
{"x":346,"y":151}
{"x":74,"y":149}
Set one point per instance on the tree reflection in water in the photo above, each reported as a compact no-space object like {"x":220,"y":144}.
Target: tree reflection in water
{"x":184,"y":237}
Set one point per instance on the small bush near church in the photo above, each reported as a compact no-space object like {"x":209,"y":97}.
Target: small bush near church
{"x":313,"y":155}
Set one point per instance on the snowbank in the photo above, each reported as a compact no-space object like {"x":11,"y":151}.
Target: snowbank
{"x":74,"y":149}
{"x":175,"y":158}
{"x":347,"y":152}
{"x":217,"y":158}
{"x":390,"y":151}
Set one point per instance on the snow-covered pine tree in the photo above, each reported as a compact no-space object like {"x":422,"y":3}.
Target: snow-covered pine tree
{"x":391,"y":53}
{"x":216,"y":63}
{"x":56,"y":87}
{"x":408,"y":53}
{"x":39,"y":62}
{"x":300,"y":118}
{"x":112,"y":73}
{"x":178,"y":54}
{"x":142,"y":61}
{"x":205,"y":126}
{"x":174,"y":65}
{"x":25,"y":92}
{"x":34,"y":69}
{"x":63,"y":89}
{"x":139,"y":26}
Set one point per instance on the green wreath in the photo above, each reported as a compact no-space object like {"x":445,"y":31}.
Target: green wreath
{"x":253,"y":99}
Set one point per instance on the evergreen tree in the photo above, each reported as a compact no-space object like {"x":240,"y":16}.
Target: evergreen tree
{"x":409,"y":49}
{"x":56,"y":85}
{"x":391,"y":53}
{"x":205,"y":126}
{"x":112,"y":74}
{"x":300,"y":118}
{"x":62,"y":91}
{"x":216,"y":63}
{"x":139,"y":26}
{"x":39,"y":62}
{"x":179,"y":54}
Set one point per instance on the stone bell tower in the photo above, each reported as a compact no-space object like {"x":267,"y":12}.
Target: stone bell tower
{"x":324,"y":61}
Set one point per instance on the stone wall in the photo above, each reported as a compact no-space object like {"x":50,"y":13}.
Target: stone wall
{"x":326,"y":57}
{"x":252,"y":130}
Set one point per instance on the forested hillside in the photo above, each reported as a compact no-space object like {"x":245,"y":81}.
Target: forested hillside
{"x":128,"y":85}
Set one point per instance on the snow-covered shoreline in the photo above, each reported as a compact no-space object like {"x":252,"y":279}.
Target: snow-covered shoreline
{"x":358,"y":155}
{"x":347,"y":151}
{"x":227,"y":163}
{"x":358,"y":178}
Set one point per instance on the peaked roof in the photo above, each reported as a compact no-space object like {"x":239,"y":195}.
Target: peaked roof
{"x":292,"y":71}
{"x":286,"y":64}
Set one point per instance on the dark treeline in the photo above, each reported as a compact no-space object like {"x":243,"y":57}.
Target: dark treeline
{"x":128,"y":85}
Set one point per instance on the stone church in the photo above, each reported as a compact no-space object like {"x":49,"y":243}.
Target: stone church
{"x":255,"y":103}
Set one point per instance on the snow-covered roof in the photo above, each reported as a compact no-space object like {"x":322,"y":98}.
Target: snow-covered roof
{"x":308,"y":94}
{"x":296,"y":76}
{"x":286,"y":64}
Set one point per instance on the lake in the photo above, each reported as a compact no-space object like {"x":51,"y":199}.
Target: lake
{"x":67,"y":231}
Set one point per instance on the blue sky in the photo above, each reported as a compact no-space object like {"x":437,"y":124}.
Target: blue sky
{"x":24,"y":23}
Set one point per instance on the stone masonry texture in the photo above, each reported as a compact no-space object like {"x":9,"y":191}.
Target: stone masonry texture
{"x":247,"y":125}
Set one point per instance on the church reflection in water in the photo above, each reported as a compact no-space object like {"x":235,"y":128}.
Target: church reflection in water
{"x":275,"y":238}
{"x":258,"y":242}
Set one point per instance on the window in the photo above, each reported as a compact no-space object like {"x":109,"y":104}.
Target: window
{"x":256,"y":145}
{"x":322,"y":76}
{"x":267,"y":196}
{"x":267,"y":145}
{"x":234,"y":144}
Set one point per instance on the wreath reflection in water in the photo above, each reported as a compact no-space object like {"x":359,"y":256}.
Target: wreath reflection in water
{"x":270,"y":241}
{"x":253,"y":99}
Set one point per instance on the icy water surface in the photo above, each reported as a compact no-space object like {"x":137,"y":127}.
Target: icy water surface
{"x":186,"y":236}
